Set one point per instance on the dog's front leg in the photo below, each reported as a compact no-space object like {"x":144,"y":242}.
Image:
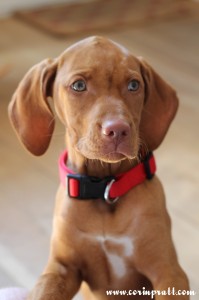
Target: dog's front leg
{"x":171,"y":284}
{"x":169,"y":281}
{"x":60,"y":285}
{"x":157,"y":260}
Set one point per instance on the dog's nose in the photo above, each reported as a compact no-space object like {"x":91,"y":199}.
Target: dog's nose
{"x":115,"y":129}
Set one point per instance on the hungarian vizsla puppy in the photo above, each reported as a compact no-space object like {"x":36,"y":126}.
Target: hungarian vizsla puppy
{"x":111,"y":227}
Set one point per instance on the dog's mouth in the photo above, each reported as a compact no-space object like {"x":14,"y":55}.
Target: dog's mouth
{"x":114,"y":157}
{"x":114,"y":143}
{"x":108,"y":153}
{"x":120,"y":153}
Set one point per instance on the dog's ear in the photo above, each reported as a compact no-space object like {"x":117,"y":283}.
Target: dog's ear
{"x":160,"y":107}
{"x":29,"y":110}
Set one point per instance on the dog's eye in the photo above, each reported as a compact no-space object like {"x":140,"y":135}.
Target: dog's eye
{"x":79,"y":86}
{"x":133,"y":85}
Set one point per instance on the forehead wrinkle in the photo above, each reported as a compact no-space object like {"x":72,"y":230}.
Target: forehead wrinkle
{"x":133,"y":73}
{"x":86,"y":73}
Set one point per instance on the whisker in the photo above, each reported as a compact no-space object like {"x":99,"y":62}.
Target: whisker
{"x":144,"y":148}
{"x":52,"y":120}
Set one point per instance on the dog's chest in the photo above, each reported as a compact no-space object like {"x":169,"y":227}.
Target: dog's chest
{"x":115,"y":252}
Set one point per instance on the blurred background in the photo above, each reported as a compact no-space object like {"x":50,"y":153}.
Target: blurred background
{"x":166,"y":34}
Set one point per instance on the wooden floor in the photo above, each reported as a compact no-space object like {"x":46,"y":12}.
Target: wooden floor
{"x":28,"y":184}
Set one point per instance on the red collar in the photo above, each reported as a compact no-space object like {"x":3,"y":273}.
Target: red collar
{"x":109,"y":188}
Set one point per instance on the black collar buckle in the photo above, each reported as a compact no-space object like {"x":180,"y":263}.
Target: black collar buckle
{"x":87,"y":187}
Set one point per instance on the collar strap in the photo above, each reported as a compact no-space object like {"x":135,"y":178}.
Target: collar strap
{"x":109,"y":188}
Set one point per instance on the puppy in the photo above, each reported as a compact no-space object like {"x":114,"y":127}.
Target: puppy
{"x":111,"y":227}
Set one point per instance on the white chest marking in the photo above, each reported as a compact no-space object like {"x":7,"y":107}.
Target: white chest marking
{"x":118,"y":265}
{"x":116,"y":249}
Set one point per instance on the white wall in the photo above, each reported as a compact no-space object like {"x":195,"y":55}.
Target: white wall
{"x":8,"y":6}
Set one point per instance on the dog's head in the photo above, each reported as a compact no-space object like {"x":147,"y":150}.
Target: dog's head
{"x":110,"y":102}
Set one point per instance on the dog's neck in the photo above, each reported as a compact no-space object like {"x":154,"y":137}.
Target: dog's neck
{"x":93,"y":167}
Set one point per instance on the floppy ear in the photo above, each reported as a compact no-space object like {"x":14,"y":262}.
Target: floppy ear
{"x":29,"y":110}
{"x":160,"y":107}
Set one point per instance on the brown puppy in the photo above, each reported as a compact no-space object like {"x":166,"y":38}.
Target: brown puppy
{"x":113,"y":106}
